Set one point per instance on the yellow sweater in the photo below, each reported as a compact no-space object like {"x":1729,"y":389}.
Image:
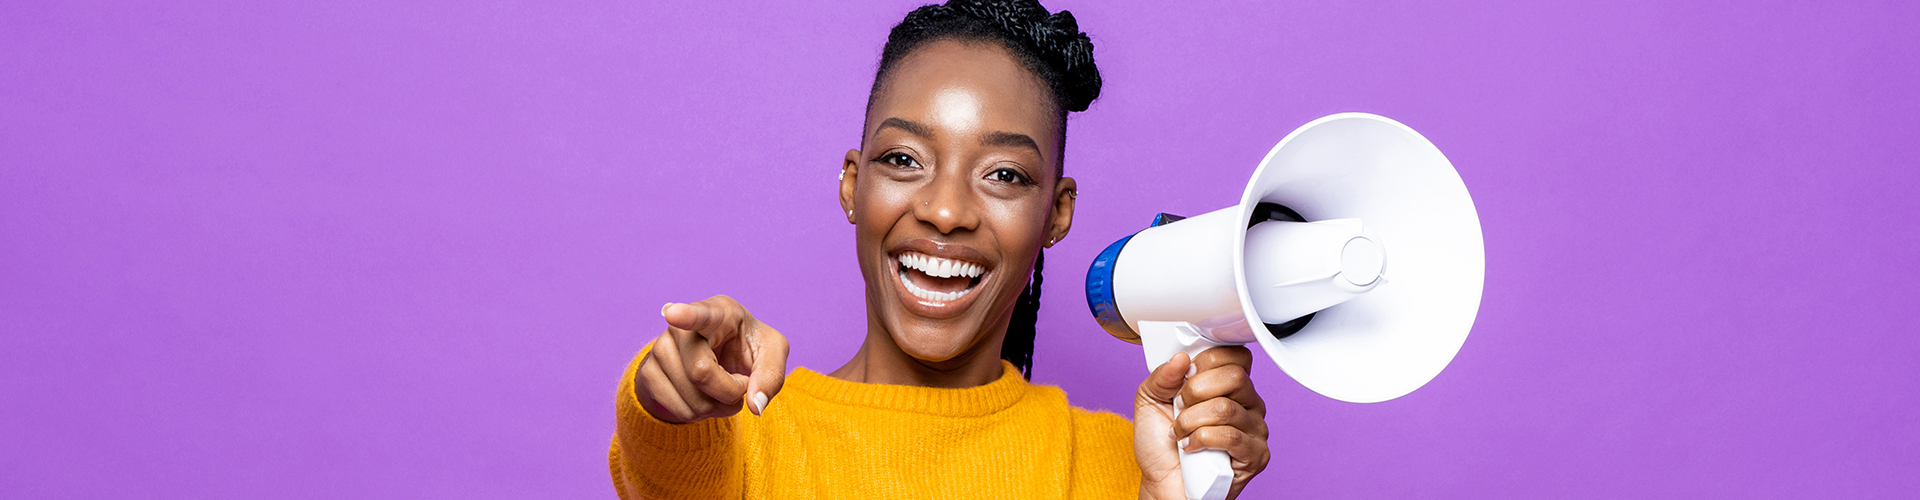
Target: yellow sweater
{"x":825,"y":438}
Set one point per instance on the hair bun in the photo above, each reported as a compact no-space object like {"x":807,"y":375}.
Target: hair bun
{"x":1074,"y":51}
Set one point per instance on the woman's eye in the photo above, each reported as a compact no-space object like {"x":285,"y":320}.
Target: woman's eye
{"x":1008,"y":175}
{"x":900,"y":160}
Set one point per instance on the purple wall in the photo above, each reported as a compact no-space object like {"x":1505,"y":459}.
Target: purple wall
{"x":352,"y":249}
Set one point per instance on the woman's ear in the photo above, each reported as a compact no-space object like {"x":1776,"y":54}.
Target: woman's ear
{"x":849,"y":170}
{"x":1064,"y":193}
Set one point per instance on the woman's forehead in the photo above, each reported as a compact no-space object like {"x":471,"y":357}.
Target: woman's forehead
{"x":966,"y":88}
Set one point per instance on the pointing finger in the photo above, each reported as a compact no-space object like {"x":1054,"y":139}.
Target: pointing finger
{"x":718,"y":318}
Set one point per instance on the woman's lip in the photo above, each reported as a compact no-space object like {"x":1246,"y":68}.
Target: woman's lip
{"x":942,"y":250}
{"x":935,"y":267}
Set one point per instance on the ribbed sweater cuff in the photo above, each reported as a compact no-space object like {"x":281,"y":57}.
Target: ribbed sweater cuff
{"x":665,"y":460}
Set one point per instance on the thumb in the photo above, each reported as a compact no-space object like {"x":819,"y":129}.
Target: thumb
{"x":1166,"y":381}
{"x":769,"y":350}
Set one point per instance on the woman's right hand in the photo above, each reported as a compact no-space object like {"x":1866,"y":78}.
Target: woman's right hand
{"x":713,"y":357}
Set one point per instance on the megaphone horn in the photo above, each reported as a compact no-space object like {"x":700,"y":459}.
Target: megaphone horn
{"x":1301,"y":266}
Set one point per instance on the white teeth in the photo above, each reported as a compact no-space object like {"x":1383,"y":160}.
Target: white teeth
{"x":939,"y":267}
{"x":930,"y":294}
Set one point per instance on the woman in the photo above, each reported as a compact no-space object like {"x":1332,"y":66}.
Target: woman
{"x":955,"y":191}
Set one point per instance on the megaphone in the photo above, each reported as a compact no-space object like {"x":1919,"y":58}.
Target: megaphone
{"x":1353,"y":258}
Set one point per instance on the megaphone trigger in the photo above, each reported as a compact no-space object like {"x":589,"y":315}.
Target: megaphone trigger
{"x":1162,"y":339}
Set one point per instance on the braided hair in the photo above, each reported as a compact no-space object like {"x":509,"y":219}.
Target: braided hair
{"x":1050,"y":46}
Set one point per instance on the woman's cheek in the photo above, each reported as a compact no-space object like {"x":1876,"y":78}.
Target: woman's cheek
{"x":1018,"y":225}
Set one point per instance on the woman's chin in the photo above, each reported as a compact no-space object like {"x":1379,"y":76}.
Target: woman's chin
{"x":933,"y":345}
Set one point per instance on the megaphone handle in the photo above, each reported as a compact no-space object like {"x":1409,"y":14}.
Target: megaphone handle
{"x":1205,"y":474}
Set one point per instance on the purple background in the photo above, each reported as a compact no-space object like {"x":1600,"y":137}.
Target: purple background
{"x":345,"y":249}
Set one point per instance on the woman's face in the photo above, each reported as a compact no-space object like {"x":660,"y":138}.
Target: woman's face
{"x":953,"y":193}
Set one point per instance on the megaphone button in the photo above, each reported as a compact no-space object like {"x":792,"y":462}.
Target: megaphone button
{"x":1361,"y":261}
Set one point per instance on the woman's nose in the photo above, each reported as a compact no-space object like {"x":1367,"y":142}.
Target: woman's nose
{"x":948,"y":204}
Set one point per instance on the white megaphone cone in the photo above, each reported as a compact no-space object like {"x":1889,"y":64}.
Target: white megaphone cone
{"x":1354,"y":259}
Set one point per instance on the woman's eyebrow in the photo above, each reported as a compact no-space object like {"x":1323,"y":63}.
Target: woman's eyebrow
{"x":1005,"y":139}
{"x":995,"y":139}
{"x":910,"y":127}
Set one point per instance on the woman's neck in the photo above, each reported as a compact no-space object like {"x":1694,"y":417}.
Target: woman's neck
{"x":881,"y":361}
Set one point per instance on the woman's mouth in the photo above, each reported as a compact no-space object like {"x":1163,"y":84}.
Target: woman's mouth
{"x":935,"y":279}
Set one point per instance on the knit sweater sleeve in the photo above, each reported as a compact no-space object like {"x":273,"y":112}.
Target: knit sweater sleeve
{"x":1103,"y":463}
{"x":657,"y":460}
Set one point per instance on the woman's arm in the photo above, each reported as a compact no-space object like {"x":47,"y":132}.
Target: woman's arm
{"x":653,"y":459}
{"x":678,"y":402}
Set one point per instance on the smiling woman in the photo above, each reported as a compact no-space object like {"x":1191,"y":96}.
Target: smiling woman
{"x":956,"y":189}
{"x":961,"y":170}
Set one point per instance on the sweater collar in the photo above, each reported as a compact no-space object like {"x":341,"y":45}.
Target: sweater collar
{"x":969,"y":402}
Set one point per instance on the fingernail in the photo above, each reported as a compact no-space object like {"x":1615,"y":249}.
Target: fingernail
{"x":1178,"y":404}
{"x":759,"y":403}
{"x":1170,"y":433}
{"x":663,"y":309}
{"x":1183,"y":443}
{"x":1192,"y":370}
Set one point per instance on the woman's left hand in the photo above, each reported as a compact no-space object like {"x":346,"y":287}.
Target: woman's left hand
{"x":1221,"y":412}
